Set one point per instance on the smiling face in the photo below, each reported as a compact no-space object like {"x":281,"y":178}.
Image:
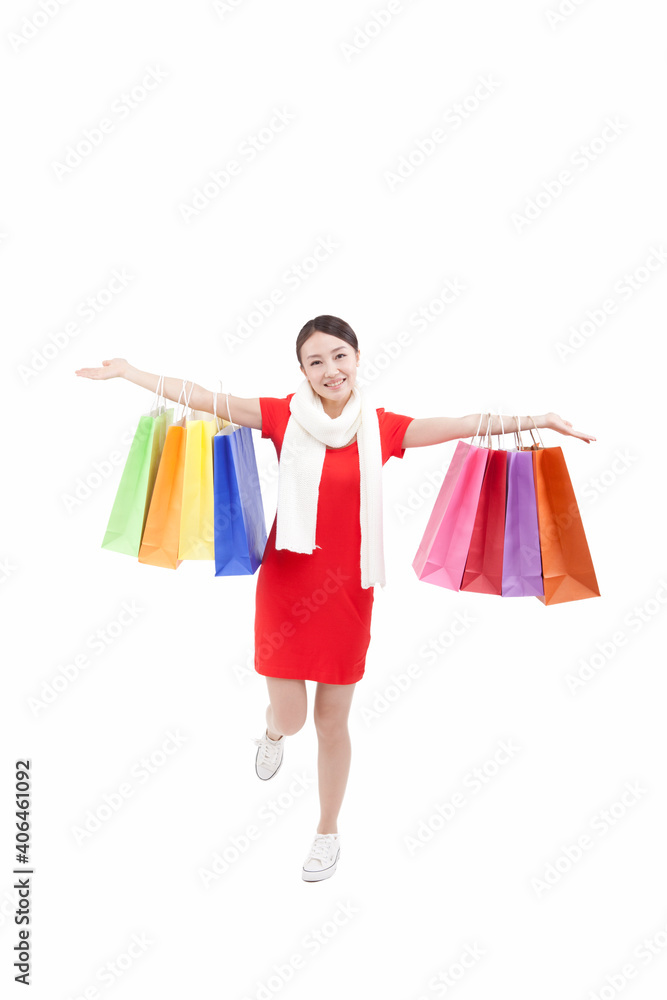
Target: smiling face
{"x":330,"y":365}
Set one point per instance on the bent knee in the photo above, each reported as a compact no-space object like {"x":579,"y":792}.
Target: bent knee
{"x":288,"y":724}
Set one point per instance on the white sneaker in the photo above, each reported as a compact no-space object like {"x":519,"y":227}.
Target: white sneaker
{"x":269,"y":756}
{"x":322,"y":858}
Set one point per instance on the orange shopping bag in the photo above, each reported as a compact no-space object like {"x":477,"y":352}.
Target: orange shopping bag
{"x":567,"y":567}
{"x":159,"y":544}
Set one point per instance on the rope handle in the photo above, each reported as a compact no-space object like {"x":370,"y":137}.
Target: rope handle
{"x":215,"y":407}
{"x":155,"y":405}
{"x":217,"y":419}
{"x":477,"y":434}
{"x":517,"y":432}
{"x":229,"y":414}
{"x":488,"y":435}
{"x":518,"y":439}
{"x":186,"y":403}
{"x":538,"y":433}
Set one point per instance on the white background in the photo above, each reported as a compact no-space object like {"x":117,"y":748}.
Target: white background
{"x":360,"y":99}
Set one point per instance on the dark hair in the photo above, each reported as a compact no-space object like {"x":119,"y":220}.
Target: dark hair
{"x":326,"y":324}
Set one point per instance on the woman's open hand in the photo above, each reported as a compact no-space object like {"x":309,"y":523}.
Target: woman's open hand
{"x":557,"y":423}
{"x":115,"y":368}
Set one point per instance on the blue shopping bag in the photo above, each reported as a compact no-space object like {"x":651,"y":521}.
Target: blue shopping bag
{"x":239,"y":528}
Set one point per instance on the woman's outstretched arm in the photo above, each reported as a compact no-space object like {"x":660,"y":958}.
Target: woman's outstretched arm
{"x":435,"y":430}
{"x":246,"y":412}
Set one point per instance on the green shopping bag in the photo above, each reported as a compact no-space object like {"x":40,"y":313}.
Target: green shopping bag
{"x":130,"y":508}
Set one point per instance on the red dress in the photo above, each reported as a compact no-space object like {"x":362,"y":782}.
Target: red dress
{"x":312,"y":616}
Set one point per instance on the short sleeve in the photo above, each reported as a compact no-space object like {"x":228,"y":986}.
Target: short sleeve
{"x":275,"y":414}
{"x":392,"y":431}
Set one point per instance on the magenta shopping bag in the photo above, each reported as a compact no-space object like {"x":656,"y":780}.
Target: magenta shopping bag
{"x":442,"y":553}
{"x":484,"y":565}
{"x":522,"y":561}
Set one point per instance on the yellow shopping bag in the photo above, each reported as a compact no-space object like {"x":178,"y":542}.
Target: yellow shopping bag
{"x":196,"y":536}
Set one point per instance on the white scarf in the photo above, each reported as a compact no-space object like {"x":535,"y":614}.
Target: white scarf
{"x":309,"y":430}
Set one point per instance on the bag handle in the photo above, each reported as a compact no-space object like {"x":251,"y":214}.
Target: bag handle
{"x":477,"y":434}
{"x":155,"y":405}
{"x":538,"y":433}
{"x":517,"y":436}
{"x":229,"y":412}
{"x":217,"y":419}
{"x":215,"y":406}
{"x":186,"y":402}
{"x":489,"y":435}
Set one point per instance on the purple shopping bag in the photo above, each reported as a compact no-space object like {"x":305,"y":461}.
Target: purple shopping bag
{"x":443,"y":550}
{"x":522,"y":561}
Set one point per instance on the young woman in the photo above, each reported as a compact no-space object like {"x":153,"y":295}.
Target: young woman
{"x":324,"y":553}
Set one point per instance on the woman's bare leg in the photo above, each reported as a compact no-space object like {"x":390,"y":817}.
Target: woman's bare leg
{"x":288,"y":706}
{"x":331,"y":711}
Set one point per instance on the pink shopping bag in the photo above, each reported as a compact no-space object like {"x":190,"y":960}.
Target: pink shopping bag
{"x":442,"y":553}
